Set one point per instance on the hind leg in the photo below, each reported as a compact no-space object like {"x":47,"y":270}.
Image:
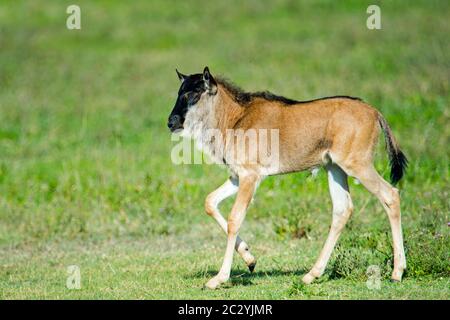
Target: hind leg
{"x":390,"y":199}
{"x":342,"y":210}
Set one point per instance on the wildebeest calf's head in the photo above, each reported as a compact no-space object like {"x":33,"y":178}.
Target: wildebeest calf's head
{"x":192,"y":89}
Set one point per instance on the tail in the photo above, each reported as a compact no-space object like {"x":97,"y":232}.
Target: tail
{"x":397,"y":158}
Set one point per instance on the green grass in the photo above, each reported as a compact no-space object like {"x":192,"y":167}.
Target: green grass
{"x":85,"y":171}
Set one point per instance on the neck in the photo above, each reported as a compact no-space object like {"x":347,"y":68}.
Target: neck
{"x":208,"y":125}
{"x":227,"y":111}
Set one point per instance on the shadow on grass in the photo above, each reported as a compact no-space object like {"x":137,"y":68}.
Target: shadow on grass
{"x":243,"y":277}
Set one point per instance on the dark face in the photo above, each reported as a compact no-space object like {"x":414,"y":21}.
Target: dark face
{"x":191,"y":89}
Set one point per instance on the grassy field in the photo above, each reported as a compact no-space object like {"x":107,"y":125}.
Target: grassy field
{"x":85,"y":172}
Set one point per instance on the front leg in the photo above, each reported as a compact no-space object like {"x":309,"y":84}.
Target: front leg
{"x":247,"y":186}
{"x":228,"y":189}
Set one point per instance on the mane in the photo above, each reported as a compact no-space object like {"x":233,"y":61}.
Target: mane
{"x":244,"y":98}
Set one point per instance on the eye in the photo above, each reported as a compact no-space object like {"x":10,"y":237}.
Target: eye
{"x":185,"y":97}
{"x":190,"y":97}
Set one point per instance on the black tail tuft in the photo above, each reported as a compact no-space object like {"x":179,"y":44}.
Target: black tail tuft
{"x":398,"y":162}
{"x":397,"y":158}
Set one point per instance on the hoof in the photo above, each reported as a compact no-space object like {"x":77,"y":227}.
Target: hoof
{"x":397,"y":276}
{"x":308,"y":279}
{"x":251,"y":266}
{"x":214,"y":283}
{"x":395,"y":281}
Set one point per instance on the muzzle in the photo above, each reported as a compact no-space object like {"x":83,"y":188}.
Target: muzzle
{"x":174,"y":123}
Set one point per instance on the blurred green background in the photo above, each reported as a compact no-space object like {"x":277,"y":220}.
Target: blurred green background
{"x":85,"y":170}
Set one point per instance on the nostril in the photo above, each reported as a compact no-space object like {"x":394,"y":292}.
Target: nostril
{"x":173,"y":121}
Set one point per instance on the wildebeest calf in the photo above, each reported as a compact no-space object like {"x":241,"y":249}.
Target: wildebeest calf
{"x":339,"y":133}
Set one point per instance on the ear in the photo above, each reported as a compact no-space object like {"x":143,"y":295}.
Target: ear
{"x":209,"y":81}
{"x":181,"y":76}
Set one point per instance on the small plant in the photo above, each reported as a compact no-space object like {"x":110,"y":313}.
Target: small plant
{"x":352,"y":263}
{"x":298,"y":288}
{"x":428,"y":254}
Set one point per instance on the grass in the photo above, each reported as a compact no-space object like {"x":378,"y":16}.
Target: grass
{"x":85,"y":171}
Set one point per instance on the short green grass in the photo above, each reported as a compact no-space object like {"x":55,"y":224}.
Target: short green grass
{"x":85,"y":171}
